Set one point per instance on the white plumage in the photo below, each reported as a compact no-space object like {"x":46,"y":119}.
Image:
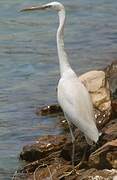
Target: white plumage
{"x":76,"y":103}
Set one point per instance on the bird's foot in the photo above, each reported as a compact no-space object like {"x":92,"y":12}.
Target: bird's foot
{"x":72,"y":172}
{"x":68,"y":173}
{"x":77,"y":167}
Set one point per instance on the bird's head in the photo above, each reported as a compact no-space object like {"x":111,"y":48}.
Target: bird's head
{"x":53,"y":5}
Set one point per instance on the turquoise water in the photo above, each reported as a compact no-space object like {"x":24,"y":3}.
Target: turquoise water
{"x":29,"y":69}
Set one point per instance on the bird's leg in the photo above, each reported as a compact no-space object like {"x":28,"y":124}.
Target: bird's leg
{"x":83,"y":158}
{"x":73,"y":151}
{"x":73,"y":143}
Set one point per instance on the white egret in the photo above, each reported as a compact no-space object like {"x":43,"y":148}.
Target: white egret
{"x":73,"y":96}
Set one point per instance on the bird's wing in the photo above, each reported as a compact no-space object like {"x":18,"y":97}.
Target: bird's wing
{"x":75,"y":100}
{"x":76,"y":103}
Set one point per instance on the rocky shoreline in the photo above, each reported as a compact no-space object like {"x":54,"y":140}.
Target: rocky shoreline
{"x":50,"y":156}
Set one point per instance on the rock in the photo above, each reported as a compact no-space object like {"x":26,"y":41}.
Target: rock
{"x":21,"y":176}
{"x":57,"y":163}
{"x":98,"y":87}
{"x":44,"y":168}
{"x":102,"y":118}
{"x":94,"y":174}
{"x":49,"y":109}
{"x":114,"y":107}
{"x":43,"y":147}
{"x":109,"y":132}
{"x":62,"y":171}
{"x":105,"y":156}
{"x":80,"y":145}
{"x":50,"y":159}
{"x":111,"y":75}
{"x":54,"y":171}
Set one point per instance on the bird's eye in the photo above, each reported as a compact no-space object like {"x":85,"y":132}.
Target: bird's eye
{"x":49,"y":6}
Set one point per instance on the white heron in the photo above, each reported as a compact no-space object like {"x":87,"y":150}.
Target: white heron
{"x":73,"y":96}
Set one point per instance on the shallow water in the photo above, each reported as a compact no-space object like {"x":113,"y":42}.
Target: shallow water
{"x":29,"y":69}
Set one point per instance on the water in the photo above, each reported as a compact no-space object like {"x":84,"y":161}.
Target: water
{"x":29,"y":69}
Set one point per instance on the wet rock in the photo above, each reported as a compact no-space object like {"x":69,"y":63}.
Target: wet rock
{"x":98,"y":87}
{"x":43,"y":147}
{"x":49,"y":109}
{"x":105,"y":156}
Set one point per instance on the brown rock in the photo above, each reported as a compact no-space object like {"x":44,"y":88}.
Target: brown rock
{"x":57,"y":164}
{"x":49,"y":109}
{"x":105,"y":156}
{"x":62,"y":170}
{"x":80,"y":146}
{"x":44,"y":168}
{"x":94,"y":174}
{"x":50,"y":159}
{"x":43,"y":147}
{"x":102,"y":118}
{"x":53,"y":172}
{"x":109,"y":132}
{"x":114,"y":107}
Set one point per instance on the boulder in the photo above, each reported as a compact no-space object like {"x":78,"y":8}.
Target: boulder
{"x":98,"y":87}
{"x":44,"y":146}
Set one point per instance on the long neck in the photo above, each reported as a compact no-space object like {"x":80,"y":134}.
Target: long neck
{"x":64,"y":64}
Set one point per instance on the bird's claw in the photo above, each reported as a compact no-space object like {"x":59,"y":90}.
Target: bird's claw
{"x":68,"y":173}
{"x":65,"y":174}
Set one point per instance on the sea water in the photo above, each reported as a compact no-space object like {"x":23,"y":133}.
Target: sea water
{"x":29,"y":68}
